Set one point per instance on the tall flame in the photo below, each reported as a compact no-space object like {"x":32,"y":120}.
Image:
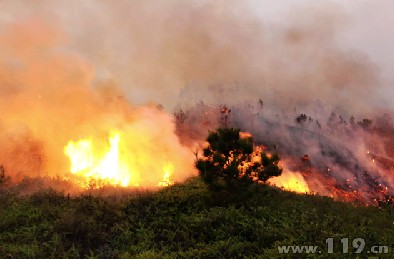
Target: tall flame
{"x":108,"y":161}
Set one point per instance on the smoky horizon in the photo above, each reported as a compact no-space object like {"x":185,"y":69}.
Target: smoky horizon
{"x":125,"y":83}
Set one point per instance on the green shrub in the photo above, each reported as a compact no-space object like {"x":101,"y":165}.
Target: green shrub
{"x":232,"y":160}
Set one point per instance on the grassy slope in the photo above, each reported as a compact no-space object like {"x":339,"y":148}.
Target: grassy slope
{"x":184,"y":220}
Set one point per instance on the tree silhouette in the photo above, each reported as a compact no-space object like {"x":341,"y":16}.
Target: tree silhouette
{"x":303,"y":120}
{"x":225,"y":118}
{"x":231,"y":160}
{"x":4,"y":180}
{"x":180,"y":116}
{"x":352,"y":122}
{"x":365,"y":124}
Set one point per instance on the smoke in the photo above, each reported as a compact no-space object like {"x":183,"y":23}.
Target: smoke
{"x":49,"y":97}
{"x":70,"y":69}
{"x":154,"y":49}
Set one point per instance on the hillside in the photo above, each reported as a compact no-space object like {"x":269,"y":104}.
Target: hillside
{"x":185,"y":220}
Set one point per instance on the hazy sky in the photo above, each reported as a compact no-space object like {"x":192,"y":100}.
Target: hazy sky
{"x":368,"y":26}
{"x":105,"y":33}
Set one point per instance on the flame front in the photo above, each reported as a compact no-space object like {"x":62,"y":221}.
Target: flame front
{"x":168,"y":169}
{"x":291,"y":181}
{"x":109,"y":161}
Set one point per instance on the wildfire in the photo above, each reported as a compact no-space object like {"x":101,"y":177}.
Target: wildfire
{"x":110,"y":161}
{"x":291,"y":181}
{"x":168,"y":169}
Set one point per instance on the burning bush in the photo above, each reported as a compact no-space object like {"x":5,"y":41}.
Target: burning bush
{"x":232,"y":158}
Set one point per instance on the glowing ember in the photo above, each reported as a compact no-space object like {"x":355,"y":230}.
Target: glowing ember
{"x":109,"y":161}
{"x":290,"y":181}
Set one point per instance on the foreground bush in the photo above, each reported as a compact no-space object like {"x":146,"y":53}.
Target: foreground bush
{"x":183,"y":221}
{"x":234,"y":160}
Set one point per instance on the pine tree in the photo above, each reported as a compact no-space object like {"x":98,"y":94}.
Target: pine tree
{"x":230,"y":159}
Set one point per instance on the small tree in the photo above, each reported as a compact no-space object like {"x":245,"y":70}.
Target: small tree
{"x":303,"y":120}
{"x":180,"y":116}
{"x":231,"y":159}
{"x":4,"y":180}
{"x":352,"y":122}
{"x":365,"y":124}
{"x":225,"y":118}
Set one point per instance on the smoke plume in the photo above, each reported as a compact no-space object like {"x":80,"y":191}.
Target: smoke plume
{"x":71,"y":70}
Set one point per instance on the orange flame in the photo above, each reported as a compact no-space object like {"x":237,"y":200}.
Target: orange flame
{"x":110,"y":161}
{"x":168,"y":169}
{"x":291,"y":181}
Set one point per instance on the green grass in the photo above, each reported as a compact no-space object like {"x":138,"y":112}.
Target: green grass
{"x":185,"y":220}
